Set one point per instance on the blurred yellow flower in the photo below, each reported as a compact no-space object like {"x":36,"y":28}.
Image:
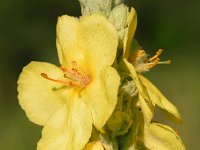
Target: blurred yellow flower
{"x":68,"y":100}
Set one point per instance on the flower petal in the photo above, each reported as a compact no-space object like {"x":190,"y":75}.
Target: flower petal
{"x":132,"y":24}
{"x":36,"y":94}
{"x":70,"y":42}
{"x":162,"y":137}
{"x":144,"y":100}
{"x":91,"y":41}
{"x":159,"y":99}
{"x":128,"y":67}
{"x":101,"y":39}
{"x":96,"y":145}
{"x":102,"y":96}
{"x":147,"y":110}
{"x":68,"y":129}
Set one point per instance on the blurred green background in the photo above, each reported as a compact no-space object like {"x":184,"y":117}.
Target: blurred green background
{"x":27,"y":32}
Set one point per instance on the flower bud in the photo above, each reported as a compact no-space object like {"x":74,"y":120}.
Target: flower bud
{"x":102,"y":7}
{"x":118,"y":17}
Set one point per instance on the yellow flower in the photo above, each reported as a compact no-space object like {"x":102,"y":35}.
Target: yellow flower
{"x":68,"y":100}
{"x":155,"y":136}
{"x":149,"y":95}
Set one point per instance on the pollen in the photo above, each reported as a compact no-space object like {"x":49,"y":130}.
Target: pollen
{"x":71,"y":76}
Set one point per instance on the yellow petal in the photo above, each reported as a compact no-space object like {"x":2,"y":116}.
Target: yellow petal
{"x":70,"y":41}
{"x":162,"y":137}
{"x":147,"y":110}
{"x":101,"y":40}
{"x":68,"y":129}
{"x":144,"y":99}
{"x":132,"y":24}
{"x":92,"y":40}
{"x":128,"y":67}
{"x":159,"y":99}
{"x":102,"y":96}
{"x":94,"y":146}
{"x":36,"y":94}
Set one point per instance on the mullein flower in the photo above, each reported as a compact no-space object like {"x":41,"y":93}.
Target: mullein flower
{"x":68,"y":100}
{"x":138,"y":62}
{"x":154,"y":135}
{"x":84,"y":103}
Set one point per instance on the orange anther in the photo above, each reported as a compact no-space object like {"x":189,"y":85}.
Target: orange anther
{"x":63,"y":68}
{"x":151,"y":65}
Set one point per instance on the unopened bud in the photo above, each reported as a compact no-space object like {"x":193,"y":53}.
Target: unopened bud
{"x":102,"y":7}
{"x":118,"y":18}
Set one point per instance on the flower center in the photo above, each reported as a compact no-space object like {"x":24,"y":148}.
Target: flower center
{"x":72,"y":76}
{"x":142,"y":63}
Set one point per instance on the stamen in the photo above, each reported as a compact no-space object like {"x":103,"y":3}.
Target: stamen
{"x":76,"y":76}
{"x":63,"y":69}
{"x":167,"y":62}
{"x":58,"y":81}
{"x":151,"y":65}
{"x":72,"y":77}
{"x":156,"y":60}
{"x":138,"y":56}
{"x":143,"y":64}
{"x":158,"y":53}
